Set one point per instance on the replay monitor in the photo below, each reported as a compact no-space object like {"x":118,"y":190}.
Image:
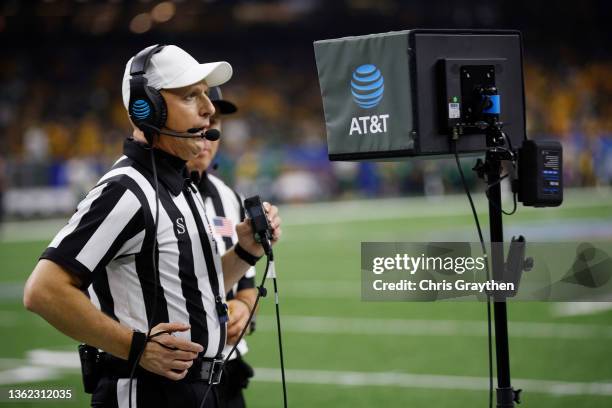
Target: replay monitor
{"x":409,"y":93}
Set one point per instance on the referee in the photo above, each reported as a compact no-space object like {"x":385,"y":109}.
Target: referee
{"x":140,"y":245}
{"x":225,"y":208}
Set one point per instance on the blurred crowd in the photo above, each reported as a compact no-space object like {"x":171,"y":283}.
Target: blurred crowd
{"x":63,"y":125}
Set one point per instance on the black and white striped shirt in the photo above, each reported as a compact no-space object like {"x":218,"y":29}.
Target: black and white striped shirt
{"x":225,"y":209}
{"x":108,"y":244}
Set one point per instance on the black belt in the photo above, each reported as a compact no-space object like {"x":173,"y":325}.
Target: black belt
{"x":206,"y":369}
{"x":203,"y":369}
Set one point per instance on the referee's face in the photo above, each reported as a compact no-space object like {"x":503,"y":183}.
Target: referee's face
{"x":208,"y":152}
{"x":188,"y":107}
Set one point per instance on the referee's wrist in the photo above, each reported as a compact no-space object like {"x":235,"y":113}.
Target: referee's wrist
{"x":245,"y":255}
{"x":251,"y":328}
{"x":139,"y":342}
{"x":249,"y":307}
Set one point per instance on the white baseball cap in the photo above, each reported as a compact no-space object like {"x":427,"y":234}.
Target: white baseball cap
{"x":172,"y":67}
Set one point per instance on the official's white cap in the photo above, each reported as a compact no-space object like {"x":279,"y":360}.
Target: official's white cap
{"x":172,"y":67}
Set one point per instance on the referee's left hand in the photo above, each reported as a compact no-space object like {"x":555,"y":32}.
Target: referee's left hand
{"x":244,"y":230}
{"x":238,"y":317}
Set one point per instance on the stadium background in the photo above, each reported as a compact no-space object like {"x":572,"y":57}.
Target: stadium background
{"x":62,"y":124}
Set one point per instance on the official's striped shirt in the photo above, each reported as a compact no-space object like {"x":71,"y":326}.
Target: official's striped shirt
{"x":225,"y":210}
{"x":108,"y":243}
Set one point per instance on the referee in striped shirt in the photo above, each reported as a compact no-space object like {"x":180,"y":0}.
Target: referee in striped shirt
{"x":225,"y":208}
{"x":167,"y":277}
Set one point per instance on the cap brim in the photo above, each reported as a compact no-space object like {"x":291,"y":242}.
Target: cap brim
{"x":224,"y":107}
{"x":214,"y":73}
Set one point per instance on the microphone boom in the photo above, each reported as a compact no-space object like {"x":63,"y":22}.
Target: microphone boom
{"x":193,"y":133}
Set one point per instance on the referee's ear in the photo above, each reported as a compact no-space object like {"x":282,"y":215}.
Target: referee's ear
{"x":138,"y":134}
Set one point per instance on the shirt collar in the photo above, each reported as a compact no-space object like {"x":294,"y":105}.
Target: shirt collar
{"x":170,"y":169}
{"x":205,"y":186}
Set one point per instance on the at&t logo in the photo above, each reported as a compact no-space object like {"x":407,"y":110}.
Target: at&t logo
{"x":367,"y":86}
{"x":367,"y":89}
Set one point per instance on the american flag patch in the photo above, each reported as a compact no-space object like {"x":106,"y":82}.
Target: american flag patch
{"x":223,"y":226}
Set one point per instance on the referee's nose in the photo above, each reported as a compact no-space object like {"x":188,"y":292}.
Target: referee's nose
{"x":206,"y":108}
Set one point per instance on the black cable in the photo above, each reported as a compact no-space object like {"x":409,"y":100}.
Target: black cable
{"x":493,"y":203}
{"x":514,"y":205}
{"x":501,"y":209}
{"x":484,"y":251}
{"x":513,"y":156}
{"x":497,"y":182}
{"x":509,"y":142}
{"x":260,"y":293}
{"x":280,"y":342}
{"x":155,"y":272}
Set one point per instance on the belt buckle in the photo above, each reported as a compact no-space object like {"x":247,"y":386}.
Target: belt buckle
{"x":213,"y":375}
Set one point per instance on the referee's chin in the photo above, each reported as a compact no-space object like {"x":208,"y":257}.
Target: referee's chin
{"x":185,"y":149}
{"x":198,"y":146}
{"x":189,"y":150}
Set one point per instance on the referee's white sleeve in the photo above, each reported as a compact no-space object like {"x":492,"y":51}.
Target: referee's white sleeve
{"x":106,"y":225}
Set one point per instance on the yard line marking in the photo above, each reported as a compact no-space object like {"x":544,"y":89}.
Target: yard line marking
{"x":44,"y":365}
{"x":31,"y":230}
{"x":407,"y":380}
{"x":39,"y":365}
{"x":6,"y":363}
{"x":580,"y":308}
{"x":28,"y":373}
{"x":322,"y":289}
{"x":417,"y":207}
{"x":53,"y":358}
{"x":341,"y":211}
{"x":409,"y":327}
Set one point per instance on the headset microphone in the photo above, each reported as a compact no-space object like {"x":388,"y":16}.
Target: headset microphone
{"x":210,"y":134}
{"x":193,"y":133}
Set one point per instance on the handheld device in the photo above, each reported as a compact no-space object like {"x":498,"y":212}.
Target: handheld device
{"x":261,"y":227}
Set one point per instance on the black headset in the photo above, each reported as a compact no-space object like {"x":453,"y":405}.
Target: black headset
{"x":147,"y":107}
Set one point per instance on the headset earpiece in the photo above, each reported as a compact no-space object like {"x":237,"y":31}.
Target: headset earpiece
{"x":147,"y":107}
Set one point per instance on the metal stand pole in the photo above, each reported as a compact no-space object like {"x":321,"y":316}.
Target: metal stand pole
{"x":506,"y":395}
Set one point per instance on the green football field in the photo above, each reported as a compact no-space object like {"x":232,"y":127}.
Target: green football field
{"x":341,"y":351}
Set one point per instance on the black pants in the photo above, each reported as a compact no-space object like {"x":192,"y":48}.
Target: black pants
{"x":236,"y":374}
{"x":152,"y":393}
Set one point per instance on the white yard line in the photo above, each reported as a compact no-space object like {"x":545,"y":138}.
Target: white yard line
{"x":39,"y":365}
{"x":28,"y":374}
{"x":44,"y":365}
{"x":406,"y":380}
{"x":28,"y":231}
{"x":342,"y":211}
{"x":418,"y":207}
{"x":408,"y":327}
{"x":580,"y":308}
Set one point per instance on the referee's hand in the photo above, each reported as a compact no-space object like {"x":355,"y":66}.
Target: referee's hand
{"x":238,"y":317}
{"x":168,"y":355}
